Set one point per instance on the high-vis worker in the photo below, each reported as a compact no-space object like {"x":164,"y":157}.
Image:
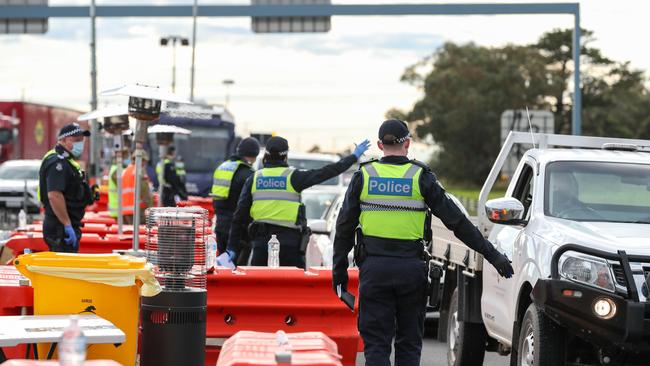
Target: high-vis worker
{"x":271,"y":198}
{"x":387,"y":207}
{"x":128,"y":190}
{"x":227,"y":183}
{"x":64,"y":191}
{"x":112,"y":184}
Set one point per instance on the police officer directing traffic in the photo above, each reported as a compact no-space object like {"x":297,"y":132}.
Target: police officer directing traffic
{"x":388,"y":203}
{"x":168,"y":177}
{"x":64,"y":190}
{"x":271,"y":198}
{"x":227,"y":184}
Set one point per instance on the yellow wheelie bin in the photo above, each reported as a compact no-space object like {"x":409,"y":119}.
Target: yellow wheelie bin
{"x":108,"y":285}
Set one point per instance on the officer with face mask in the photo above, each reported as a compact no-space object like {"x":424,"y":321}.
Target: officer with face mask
{"x":388,"y":204}
{"x":64,"y":190}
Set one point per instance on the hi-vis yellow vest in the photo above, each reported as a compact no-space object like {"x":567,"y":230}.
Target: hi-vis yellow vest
{"x":392,"y":206}
{"x":112,"y":191}
{"x":222,"y":178}
{"x":275,"y":201}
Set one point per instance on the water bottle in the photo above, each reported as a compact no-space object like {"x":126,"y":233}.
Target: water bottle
{"x":72,"y":348}
{"x":274,"y":252}
{"x":211,"y":255}
{"x":22,"y":219}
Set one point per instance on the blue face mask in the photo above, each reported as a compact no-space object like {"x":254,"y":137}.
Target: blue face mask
{"x":77,"y":148}
{"x":126,"y":161}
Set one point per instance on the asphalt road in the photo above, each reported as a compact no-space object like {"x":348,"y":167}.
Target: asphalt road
{"x":434,"y":353}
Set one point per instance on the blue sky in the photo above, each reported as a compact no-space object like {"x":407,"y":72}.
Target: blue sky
{"x":330,"y":89}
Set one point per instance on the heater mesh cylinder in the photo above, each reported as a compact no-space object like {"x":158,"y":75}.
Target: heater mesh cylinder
{"x":176,"y":245}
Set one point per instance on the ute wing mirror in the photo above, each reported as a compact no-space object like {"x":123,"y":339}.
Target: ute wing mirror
{"x":505,"y":211}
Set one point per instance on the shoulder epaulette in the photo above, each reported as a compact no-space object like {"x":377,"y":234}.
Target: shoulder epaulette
{"x":421,"y":164}
{"x":373,"y":160}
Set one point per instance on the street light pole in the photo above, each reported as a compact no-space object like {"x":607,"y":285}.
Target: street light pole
{"x":164,"y":41}
{"x":174,"y":66}
{"x":227,"y":83}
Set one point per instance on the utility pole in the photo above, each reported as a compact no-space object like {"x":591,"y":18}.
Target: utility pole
{"x":94,"y":131}
{"x":195,"y":11}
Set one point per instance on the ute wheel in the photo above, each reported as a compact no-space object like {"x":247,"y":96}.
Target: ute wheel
{"x":466,"y":341}
{"x":541,"y":341}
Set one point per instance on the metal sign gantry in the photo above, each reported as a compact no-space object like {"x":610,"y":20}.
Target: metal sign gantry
{"x":39,"y":11}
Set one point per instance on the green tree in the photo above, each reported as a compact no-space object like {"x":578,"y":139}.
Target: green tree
{"x":464,"y":95}
{"x":467,"y":87}
{"x":556,"y":47}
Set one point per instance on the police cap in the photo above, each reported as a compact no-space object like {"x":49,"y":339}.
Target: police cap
{"x":277,"y":147}
{"x":393,"y":131}
{"x":72,"y":129}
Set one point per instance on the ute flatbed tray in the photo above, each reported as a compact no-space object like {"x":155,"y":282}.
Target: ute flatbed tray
{"x":448,"y":251}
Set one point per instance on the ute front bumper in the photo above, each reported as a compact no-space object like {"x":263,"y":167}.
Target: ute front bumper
{"x":572,"y":305}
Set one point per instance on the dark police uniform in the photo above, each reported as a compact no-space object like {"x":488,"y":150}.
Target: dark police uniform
{"x":225,"y":208}
{"x":290,"y":238}
{"x":389,"y":201}
{"x":60,"y":173}
{"x":172,"y":184}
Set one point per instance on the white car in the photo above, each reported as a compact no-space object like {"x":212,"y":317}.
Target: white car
{"x":19,"y":184}
{"x":322,"y":206}
{"x":576,"y":225}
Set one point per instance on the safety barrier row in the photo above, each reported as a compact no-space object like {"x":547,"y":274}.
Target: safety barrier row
{"x":287,"y":298}
{"x":89,"y":243}
{"x":14,"y":300}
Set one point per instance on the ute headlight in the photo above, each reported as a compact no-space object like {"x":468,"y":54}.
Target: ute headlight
{"x":587,"y":270}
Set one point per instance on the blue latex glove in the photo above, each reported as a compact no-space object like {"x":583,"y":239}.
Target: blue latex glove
{"x":70,"y":237}
{"x":231,"y":254}
{"x":361,"y":148}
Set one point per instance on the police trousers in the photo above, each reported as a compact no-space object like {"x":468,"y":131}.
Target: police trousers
{"x":289,"y":239}
{"x":54,"y":235}
{"x":392,"y":304}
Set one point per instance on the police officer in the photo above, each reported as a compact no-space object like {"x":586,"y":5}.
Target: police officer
{"x":64,"y":190}
{"x":390,"y":200}
{"x":271,"y":198}
{"x":168,"y":177}
{"x":227,"y":184}
{"x":180,"y":170}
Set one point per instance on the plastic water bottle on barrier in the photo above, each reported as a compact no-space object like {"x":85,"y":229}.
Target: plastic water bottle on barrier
{"x":22,"y":219}
{"x":274,"y":252}
{"x":211,"y":255}
{"x":72,"y":348}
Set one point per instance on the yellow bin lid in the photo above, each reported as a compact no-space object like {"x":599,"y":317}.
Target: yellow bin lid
{"x":75,"y":260}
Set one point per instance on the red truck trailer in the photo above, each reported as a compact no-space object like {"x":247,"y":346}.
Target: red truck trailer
{"x":29,"y":130}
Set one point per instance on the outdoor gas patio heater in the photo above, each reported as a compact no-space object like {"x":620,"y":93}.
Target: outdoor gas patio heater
{"x":174,"y":321}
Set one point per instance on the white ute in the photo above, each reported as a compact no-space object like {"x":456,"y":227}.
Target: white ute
{"x":575,"y":222}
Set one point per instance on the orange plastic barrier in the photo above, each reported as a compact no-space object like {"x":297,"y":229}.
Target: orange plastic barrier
{"x":56,"y":363}
{"x":89,"y":228}
{"x":93,"y":218}
{"x":89,"y":243}
{"x":254,"y":348}
{"x":204,"y":202}
{"x":14,"y":300}
{"x":287,"y":298}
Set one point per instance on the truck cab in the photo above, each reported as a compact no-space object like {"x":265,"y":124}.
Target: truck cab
{"x":575,"y":222}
